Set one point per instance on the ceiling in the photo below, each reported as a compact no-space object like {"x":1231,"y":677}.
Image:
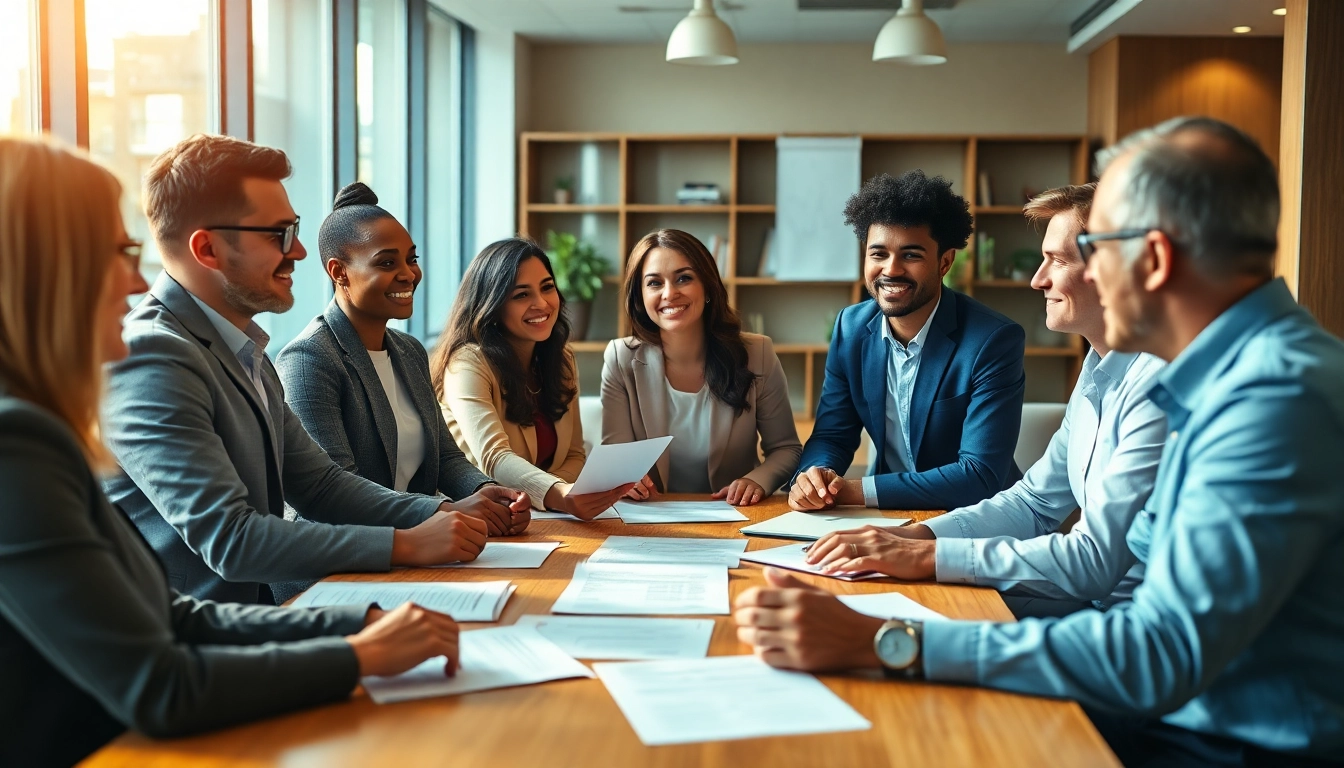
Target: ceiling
{"x":761,"y":21}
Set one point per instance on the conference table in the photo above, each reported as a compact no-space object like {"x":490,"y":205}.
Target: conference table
{"x":576,"y":722}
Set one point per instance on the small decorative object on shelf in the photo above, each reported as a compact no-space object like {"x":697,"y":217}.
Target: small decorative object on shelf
{"x":578,"y":274}
{"x":1025,"y":262}
{"x":718,"y":248}
{"x":699,"y":193}
{"x":959,"y":274}
{"x":984,"y":256}
{"x":564,"y":190}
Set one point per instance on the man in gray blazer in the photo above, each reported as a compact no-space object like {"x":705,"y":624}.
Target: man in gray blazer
{"x":196,"y":415}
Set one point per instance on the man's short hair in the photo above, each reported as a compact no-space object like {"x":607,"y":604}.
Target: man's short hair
{"x":911,"y":200}
{"x":198,"y":182}
{"x":1072,"y":198}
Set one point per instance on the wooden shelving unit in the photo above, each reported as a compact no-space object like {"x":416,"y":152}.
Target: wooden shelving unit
{"x":626,"y":186}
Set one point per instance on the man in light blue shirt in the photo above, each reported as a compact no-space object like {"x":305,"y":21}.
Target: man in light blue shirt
{"x":1232,"y":649}
{"x":1102,"y":460}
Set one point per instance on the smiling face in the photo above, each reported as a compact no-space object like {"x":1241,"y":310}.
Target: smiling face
{"x":257,"y":276}
{"x":903,"y":268}
{"x":533,"y":306}
{"x":1126,"y":309}
{"x":1071,"y":304}
{"x":382,"y":272}
{"x":674,"y":295}
{"x":123,"y":280}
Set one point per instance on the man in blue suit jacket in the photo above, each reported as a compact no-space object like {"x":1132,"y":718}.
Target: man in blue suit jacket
{"x":934,"y":376}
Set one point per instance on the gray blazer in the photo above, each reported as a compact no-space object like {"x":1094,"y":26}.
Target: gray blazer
{"x":93,"y":640}
{"x":635,"y":407}
{"x":206,"y":476}
{"x":331,"y":384}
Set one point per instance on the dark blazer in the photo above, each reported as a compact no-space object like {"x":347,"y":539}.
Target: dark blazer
{"x":331,"y":384}
{"x":93,"y":640}
{"x":208,"y":468}
{"x":965,"y":410}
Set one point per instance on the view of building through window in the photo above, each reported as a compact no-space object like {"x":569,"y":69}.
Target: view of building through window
{"x":152,"y":83}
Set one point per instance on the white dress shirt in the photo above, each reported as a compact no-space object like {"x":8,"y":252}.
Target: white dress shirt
{"x":249,"y":347}
{"x":902,"y":368}
{"x":1102,"y":460}
{"x":410,"y":430}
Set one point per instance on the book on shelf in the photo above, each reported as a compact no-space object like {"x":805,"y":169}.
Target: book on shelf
{"x":765,"y":267}
{"x":718,"y":248}
{"x":699,"y":193}
{"x":986,"y":192}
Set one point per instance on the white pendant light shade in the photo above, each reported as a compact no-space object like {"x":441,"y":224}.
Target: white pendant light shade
{"x":702,"y":38}
{"x":910,"y":37}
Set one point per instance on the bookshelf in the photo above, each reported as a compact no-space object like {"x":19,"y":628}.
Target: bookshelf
{"x":625,"y":186}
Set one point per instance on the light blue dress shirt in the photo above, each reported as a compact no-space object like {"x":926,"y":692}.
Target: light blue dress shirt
{"x":902,"y":368}
{"x":1238,"y":627}
{"x":249,"y":347}
{"x":1102,"y":460}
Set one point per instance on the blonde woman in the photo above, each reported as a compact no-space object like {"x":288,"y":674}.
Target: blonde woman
{"x":92,"y":640}
{"x":689,"y":371}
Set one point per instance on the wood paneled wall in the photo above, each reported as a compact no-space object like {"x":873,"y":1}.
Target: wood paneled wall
{"x":1135,"y":82}
{"x":1311,"y":161}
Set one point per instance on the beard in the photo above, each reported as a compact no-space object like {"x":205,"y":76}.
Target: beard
{"x":918,"y":297}
{"x":254,"y":301}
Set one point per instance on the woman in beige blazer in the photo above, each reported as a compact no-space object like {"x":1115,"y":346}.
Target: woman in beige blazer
{"x":507,"y":384}
{"x":690,"y":371}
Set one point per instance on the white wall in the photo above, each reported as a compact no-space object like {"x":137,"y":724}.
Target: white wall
{"x":808,"y":87}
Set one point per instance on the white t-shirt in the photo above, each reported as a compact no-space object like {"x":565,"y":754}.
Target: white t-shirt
{"x":688,"y":422}
{"x":410,"y":430}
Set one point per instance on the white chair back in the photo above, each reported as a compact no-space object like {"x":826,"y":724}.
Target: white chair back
{"x":1040,"y":422}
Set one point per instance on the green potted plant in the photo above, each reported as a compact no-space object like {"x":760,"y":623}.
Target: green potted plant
{"x":578,"y":274}
{"x":1025,"y":262}
{"x":564,"y":190}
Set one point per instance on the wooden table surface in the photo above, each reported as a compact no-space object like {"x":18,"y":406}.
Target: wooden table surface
{"x":576,"y":723}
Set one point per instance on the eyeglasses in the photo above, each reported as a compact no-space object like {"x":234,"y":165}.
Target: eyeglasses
{"x":131,"y":249}
{"x":1087,"y":240}
{"x":287,"y":234}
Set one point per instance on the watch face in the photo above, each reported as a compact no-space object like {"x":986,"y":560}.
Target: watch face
{"x":896,"y":647}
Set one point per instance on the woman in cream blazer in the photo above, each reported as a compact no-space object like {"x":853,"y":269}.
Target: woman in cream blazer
{"x":507,"y":384}
{"x":689,"y":371}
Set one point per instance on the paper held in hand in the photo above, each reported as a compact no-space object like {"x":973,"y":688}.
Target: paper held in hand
{"x":611,"y":466}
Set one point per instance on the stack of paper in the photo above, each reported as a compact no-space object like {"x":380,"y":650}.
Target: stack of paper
{"x":810,"y":526}
{"x":792,"y":557}
{"x":498,"y":554}
{"x":464,"y":601}
{"x":657,"y":589}
{"x":605,"y":637}
{"x":499,"y":657}
{"x":652,"y":549}
{"x":633,"y":512}
{"x":720,"y":698}
{"x":891,"y":605}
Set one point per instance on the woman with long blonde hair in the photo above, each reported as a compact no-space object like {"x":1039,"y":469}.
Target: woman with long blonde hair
{"x":92,"y":640}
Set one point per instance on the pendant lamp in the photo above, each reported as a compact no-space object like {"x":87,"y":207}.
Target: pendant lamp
{"x":910,"y":37}
{"x":702,"y":38}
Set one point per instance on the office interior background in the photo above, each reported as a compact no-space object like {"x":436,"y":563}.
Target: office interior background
{"x":475,"y":119}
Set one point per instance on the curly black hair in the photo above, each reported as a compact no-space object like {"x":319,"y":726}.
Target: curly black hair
{"x":912,"y":200}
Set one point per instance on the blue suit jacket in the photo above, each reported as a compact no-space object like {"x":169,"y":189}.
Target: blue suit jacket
{"x":965,"y":411}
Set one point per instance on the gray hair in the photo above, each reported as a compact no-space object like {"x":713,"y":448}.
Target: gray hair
{"x":1219,"y":204}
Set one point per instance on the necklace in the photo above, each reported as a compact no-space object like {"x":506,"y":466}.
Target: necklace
{"x":532,"y":391}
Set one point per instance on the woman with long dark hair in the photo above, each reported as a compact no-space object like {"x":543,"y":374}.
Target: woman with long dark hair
{"x":507,"y":384}
{"x":689,"y":371}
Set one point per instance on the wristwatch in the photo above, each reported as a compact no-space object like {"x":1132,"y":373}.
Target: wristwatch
{"x":899,"y":646}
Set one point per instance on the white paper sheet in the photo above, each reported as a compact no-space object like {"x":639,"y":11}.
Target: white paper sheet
{"x":538,"y":514}
{"x":891,"y":605}
{"x":610,"y":466}
{"x":810,"y":526}
{"x":791,"y":557}
{"x":499,"y":657}
{"x":721,"y":698}
{"x":636,"y":512}
{"x":464,"y":601}
{"x":642,"y":589}
{"x":653,"y":549}
{"x":609,"y":637}
{"x":511,"y":554}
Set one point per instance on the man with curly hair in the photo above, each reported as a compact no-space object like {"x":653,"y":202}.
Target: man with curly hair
{"x":934,"y":376}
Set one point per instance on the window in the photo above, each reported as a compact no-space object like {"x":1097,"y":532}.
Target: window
{"x":292,"y":87}
{"x":381,"y":101}
{"x":442,"y":256}
{"x":18,"y":68}
{"x":152,"y":83}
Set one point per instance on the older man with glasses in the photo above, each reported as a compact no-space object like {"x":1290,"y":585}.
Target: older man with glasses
{"x":1232,"y":650}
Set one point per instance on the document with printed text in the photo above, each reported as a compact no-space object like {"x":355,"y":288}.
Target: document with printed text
{"x":610,"y":637}
{"x":722,"y":698}
{"x":499,"y":657}
{"x":653,"y":549}
{"x":464,"y":601}
{"x":635,"y":512}
{"x":645,"y":589}
{"x":810,"y":526}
